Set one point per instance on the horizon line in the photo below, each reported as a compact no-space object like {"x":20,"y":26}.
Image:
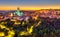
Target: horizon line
{"x":37,"y":9}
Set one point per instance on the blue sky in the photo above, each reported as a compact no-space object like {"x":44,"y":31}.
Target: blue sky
{"x":29,"y":2}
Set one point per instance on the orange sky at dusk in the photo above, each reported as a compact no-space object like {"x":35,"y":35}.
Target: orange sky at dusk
{"x":28,"y":7}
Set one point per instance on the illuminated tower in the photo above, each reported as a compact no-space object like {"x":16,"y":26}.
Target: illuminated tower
{"x":18,"y":12}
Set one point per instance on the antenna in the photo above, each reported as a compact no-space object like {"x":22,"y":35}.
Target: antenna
{"x":18,"y":8}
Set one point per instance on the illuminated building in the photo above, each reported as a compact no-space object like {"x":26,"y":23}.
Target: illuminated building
{"x":18,"y":12}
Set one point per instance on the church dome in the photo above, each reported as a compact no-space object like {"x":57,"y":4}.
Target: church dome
{"x":18,"y":12}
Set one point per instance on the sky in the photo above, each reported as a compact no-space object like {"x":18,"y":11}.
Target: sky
{"x":29,"y":4}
